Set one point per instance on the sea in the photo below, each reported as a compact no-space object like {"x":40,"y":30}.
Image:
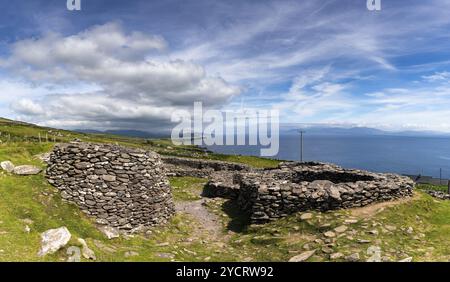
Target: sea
{"x":408,"y":155}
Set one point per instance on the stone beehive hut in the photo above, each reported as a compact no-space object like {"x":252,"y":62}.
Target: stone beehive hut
{"x":271,"y":194}
{"x":120,"y":187}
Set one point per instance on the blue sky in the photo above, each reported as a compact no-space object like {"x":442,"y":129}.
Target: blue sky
{"x":130,"y":64}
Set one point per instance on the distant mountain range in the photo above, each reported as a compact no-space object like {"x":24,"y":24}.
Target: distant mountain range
{"x":290,"y":129}
{"x":125,"y":132}
{"x":355,"y":131}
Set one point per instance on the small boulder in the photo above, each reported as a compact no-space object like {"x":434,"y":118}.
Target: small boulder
{"x":53,"y":240}
{"x":406,"y":260}
{"x":86,"y":251}
{"x":110,"y":232}
{"x":341,"y":229}
{"x":74,"y":254}
{"x":336,"y":256}
{"x":7,"y":166}
{"x":329,"y":234}
{"x":27,"y":170}
{"x":374,"y":253}
{"x":352,"y":258}
{"x":306,"y":216}
{"x":303,"y":256}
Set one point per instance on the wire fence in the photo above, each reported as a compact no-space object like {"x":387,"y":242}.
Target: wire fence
{"x":7,"y":137}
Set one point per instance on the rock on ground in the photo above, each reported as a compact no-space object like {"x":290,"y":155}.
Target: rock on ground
{"x":110,"y":232}
{"x":86,"y":251}
{"x":26,"y":170}
{"x":375,"y":254}
{"x":336,"y":256}
{"x":74,"y":254}
{"x":352,"y":258}
{"x":7,"y":166}
{"x":302,"y":257}
{"x":306,"y":216}
{"x":53,"y":240}
{"x":341,"y":229}
{"x":329,"y":234}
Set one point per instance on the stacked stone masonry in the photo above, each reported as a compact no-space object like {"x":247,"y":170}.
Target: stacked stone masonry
{"x":439,"y":194}
{"x":271,"y":194}
{"x":120,"y":187}
{"x":181,"y":167}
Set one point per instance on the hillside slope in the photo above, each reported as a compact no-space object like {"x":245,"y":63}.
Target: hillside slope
{"x":206,"y":229}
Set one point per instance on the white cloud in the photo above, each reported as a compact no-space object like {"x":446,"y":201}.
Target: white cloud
{"x":133,"y":85}
{"x":437,"y":76}
{"x":28,"y":107}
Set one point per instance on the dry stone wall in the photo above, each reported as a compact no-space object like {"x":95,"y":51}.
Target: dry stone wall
{"x":271,"y":194}
{"x":181,"y":167}
{"x":120,"y":187}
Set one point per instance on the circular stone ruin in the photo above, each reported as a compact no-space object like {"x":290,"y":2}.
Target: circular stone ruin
{"x":271,"y":194}
{"x":120,"y":187}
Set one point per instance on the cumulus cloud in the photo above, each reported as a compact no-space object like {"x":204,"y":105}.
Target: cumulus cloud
{"x":135,"y":86}
{"x":28,"y":107}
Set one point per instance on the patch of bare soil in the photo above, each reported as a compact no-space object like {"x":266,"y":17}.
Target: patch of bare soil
{"x":207,"y":221}
{"x":371,"y":210}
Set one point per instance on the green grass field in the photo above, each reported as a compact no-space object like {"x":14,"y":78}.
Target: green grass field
{"x":418,"y":228}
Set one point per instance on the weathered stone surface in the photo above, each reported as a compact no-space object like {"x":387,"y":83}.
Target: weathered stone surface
{"x":295,"y":187}
{"x":123,"y":188}
{"x":110,"y":232}
{"x":303,"y":256}
{"x":177,"y":166}
{"x":409,"y":259}
{"x":306,"y":216}
{"x":374,"y":253}
{"x":74,"y":254}
{"x":54,"y":239}
{"x":26,"y":170}
{"x":7,"y":166}
{"x":329,"y":234}
{"x":341,"y":229}
{"x":336,"y":256}
{"x":270,"y":194}
{"x":353,"y":257}
{"x":86,"y":251}
{"x":439,"y":194}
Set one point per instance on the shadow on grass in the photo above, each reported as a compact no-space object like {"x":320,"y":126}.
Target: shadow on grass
{"x":239,"y":220}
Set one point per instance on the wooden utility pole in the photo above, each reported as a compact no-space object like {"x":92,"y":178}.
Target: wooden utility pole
{"x":448,"y":190}
{"x":440,"y":176}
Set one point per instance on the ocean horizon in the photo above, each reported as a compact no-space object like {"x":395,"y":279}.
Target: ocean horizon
{"x":393,"y":154}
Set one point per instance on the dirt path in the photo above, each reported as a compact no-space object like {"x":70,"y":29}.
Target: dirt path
{"x":208,"y":222}
{"x":371,"y":210}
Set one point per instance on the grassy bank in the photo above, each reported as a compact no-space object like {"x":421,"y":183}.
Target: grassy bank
{"x":417,"y":228}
